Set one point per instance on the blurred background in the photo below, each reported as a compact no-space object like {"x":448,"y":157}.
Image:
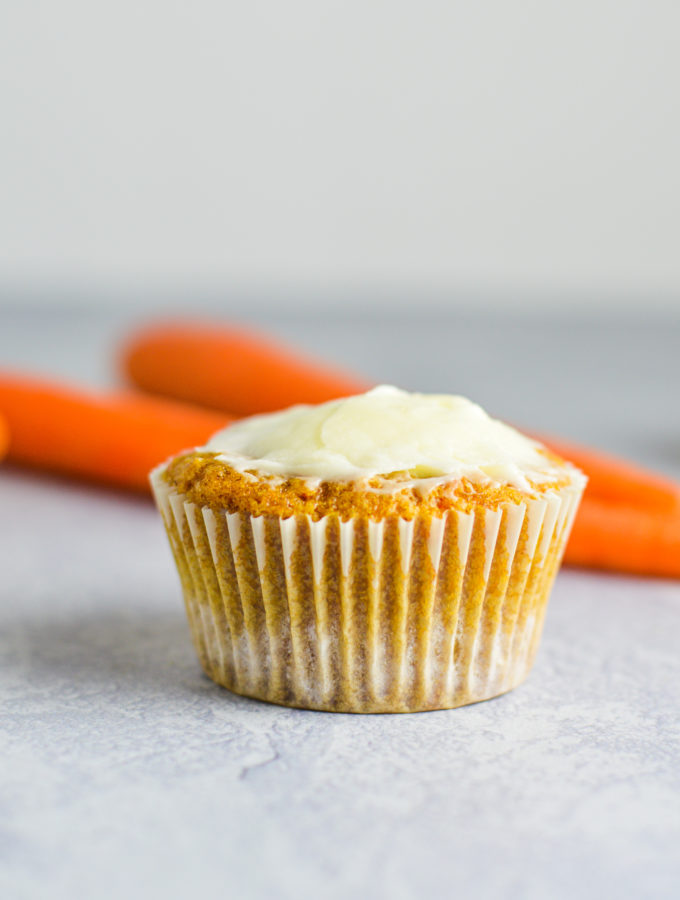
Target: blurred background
{"x":465,"y":191}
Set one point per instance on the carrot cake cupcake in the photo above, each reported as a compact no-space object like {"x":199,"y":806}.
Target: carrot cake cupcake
{"x":387,"y":552}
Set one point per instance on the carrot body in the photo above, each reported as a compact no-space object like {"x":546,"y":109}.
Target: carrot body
{"x":229,"y":370}
{"x":625,"y":539}
{"x":616,"y":480}
{"x":4,"y":437}
{"x":243,"y":374}
{"x":110,"y":438}
{"x":117,"y":438}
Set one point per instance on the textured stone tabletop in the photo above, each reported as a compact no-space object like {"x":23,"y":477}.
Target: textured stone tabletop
{"x":126,"y":773}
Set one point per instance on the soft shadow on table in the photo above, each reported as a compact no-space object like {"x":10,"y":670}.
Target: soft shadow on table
{"x":71,"y":488}
{"x":145,"y":652}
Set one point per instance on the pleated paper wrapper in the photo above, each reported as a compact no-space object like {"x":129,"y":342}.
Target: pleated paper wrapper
{"x":368,"y":616}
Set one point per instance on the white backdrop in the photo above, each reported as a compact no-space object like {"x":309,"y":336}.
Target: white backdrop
{"x":513,"y":149}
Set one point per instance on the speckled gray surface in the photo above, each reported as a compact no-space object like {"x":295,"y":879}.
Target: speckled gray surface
{"x":126,"y":773}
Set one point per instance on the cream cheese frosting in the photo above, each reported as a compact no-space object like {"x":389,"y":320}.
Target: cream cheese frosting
{"x":383,"y":431}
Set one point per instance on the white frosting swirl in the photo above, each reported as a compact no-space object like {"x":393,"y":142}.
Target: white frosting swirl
{"x":383,"y":431}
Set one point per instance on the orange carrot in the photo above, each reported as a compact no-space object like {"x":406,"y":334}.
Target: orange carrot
{"x":4,"y":437}
{"x":617,"y":480}
{"x":117,"y":438}
{"x":234,"y":371}
{"x":625,"y":539}
{"x":114,"y":438}
{"x":219,"y":367}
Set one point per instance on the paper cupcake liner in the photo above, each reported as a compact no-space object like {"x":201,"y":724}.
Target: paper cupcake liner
{"x":368,"y":616}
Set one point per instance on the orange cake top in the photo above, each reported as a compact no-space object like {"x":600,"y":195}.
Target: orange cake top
{"x":377,"y":454}
{"x":207,"y":480}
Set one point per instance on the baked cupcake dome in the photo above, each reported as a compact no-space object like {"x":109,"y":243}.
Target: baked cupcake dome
{"x":389,"y":552}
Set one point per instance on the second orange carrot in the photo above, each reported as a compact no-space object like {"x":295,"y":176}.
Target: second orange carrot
{"x":228,"y":369}
{"x":114,"y":439}
{"x":4,"y":437}
{"x":242,"y":373}
{"x":621,"y":538}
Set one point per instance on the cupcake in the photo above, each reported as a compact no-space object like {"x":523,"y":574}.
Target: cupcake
{"x":387,"y":552}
